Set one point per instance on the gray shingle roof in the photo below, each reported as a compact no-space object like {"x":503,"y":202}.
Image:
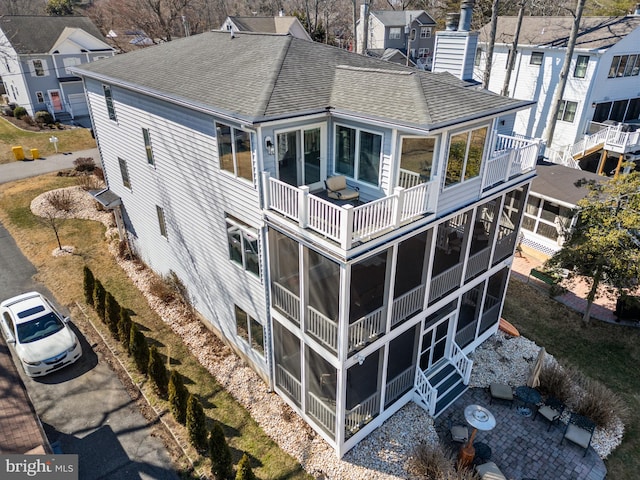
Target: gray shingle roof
{"x":37,"y":34}
{"x":256,"y":24}
{"x":559,"y":182}
{"x":595,"y":32}
{"x":397,"y":18}
{"x":257,"y":77}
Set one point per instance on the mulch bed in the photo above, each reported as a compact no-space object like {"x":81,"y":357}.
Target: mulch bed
{"x":32,"y":128}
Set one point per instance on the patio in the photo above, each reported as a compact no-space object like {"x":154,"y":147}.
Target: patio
{"x":522,"y":448}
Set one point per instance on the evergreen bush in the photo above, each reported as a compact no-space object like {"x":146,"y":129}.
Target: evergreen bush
{"x":99,"y":294}
{"x":19,"y":112}
{"x":43,"y":117}
{"x":111,"y":313}
{"x":244,"y":469}
{"x":139,"y":349}
{"x":221,"y":463}
{"x":89,"y":284}
{"x":157,"y":371}
{"x":196,"y":424}
{"x":178,"y":397}
{"x":124,"y":327}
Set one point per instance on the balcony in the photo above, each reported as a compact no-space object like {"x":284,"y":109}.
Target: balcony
{"x":349,"y":225}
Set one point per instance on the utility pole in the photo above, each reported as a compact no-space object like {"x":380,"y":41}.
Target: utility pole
{"x":557,"y":96}
{"x":514,"y":50}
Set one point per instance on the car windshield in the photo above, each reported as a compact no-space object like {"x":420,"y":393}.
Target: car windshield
{"x":39,"y":328}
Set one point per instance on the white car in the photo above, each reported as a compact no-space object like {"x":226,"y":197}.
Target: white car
{"x":42,"y":338}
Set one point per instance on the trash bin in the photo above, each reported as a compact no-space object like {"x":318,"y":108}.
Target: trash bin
{"x":35,"y":154}
{"x":18,"y":152}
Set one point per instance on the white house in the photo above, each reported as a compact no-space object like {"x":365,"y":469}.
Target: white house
{"x":218,"y":151}
{"x":603,"y":84}
{"x":281,"y":24}
{"x":36,"y":54}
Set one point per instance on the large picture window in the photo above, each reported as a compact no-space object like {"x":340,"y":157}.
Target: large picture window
{"x":243,"y":245}
{"x":358,"y":154}
{"x":624,"y":66}
{"x":234,"y":151}
{"x":465,"y":155}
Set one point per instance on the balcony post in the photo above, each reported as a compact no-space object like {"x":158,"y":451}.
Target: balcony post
{"x":346,"y":226}
{"x":398,"y":192}
{"x":303,"y":207}
{"x":266,"y":190}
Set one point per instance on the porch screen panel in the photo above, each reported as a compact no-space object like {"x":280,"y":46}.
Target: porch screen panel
{"x":288,"y":367}
{"x":410,"y":264}
{"x":496,"y":287}
{"x":321,"y":386}
{"x":484,"y":227}
{"x":509,"y":223}
{"x":363,"y":392}
{"x":323,"y":284}
{"x":367,"y":286}
{"x":285,"y":277}
{"x":468,"y":315}
{"x":401,"y":364}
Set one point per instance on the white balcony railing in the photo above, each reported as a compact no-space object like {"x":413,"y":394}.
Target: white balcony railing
{"x":407,"y":304}
{"x":399,"y":385}
{"x":409,"y":179}
{"x":445,"y":282}
{"x":286,"y":302}
{"x":466,"y":334}
{"x":512,"y":156}
{"x":477,"y":263}
{"x":366,"y":329}
{"x":288,"y":383}
{"x":362,"y":414}
{"x":325,"y":414}
{"x":322,"y":327}
{"x":348,"y":224}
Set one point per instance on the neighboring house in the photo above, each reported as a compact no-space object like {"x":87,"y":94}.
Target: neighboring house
{"x":280,"y":24}
{"x":36,"y":53}
{"x":128,"y":40}
{"x":391,"y":32}
{"x":603,"y":84}
{"x":551,"y":204}
{"x":348,"y":309}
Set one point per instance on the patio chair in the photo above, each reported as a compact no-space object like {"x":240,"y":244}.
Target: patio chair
{"x":551,"y":410}
{"x":489,"y":471}
{"x":459,"y":433}
{"x":580,"y":431}
{"x":501,"y":392}
{"x":338,"y":190}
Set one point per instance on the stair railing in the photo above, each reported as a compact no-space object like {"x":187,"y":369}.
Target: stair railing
{"x":461,"y":362}
{"x":428,"y":393}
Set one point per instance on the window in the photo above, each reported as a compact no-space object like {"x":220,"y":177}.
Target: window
{"x":425,"y":32}
{"x":536,"y":58}
{"x":358,"y":154}
{"x":567,"y":110}
{"x":40,"y":97}
{"x":234,"y":151}
{"x":250,"y":330}
{"x":147,"y":145}
{"x":580,"y":70}
{"x":624,"y":66}
{"x":465,"y":155}
{"x":70,"y":62}
{"x":423,"y":52}
{"x":243,"y":245}
{"x":124,"y":172}
{"x":38,"y":68}
{"x":545,"y":218}
{"x":395,"y":33}
{"x":109,"y":100}
{"x":161,"y":221}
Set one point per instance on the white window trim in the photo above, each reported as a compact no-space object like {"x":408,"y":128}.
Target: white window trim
{"x":425,"y":32}
{"x":395,"y":33}
{"x":249,"y":341}
{"x":234,"y":174}
{"x":356,"y":167}
{"x":45,"y":68}
{"x":245,"y":231}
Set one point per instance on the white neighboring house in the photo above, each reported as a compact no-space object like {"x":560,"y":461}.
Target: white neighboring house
{"x":36,"y":53}
{"x":281,"y":24}
{"x":603,"y":83}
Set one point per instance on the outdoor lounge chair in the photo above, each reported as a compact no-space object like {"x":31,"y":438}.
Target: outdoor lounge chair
{"x":338,"y":190}
{"x":580,"y":431}
{"x":551,"y":410}
{"x":490,"y":471}
{"x":502,"y":392}
{"x":459,"y":433}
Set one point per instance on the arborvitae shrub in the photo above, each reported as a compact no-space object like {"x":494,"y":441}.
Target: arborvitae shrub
{"x":19,"y":112}
{"x":139,"y":349}
{"x":221,"y":463}
{"x":157,"y":371}
{"x":196,"y":424}
{"x":244,"y":469}
{"x":178,"y":397}
{"x":99,"y":294}
{"x":44,"y":117}
{"x":111,"y":313}
{"x":88,"y":283}
{"x":124,"y":327}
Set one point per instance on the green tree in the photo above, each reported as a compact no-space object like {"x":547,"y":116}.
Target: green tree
{"x":178,"y":397}
{"x":111,"y":313}
{"x":221,"y":463}
{"x":139,"y":349}
{"x":99,"y":294}
{"x":59,"y":8}
{"x":244,"y":469}
{"x":196,"y":424}
{"x":124,"y":327}
{"x":88,"y":284}
{"x":157,"y":371}
{"x":604,"y":246}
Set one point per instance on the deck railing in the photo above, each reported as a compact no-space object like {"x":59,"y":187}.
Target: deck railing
{"x":399,"y":385}
{"x":477,"y":263}
{"x":409,"y":179}
{"x":427,"y":392}
{"x":361,"y":414}
{"x":288,"y":383}
{"x":407,"y":304}
{"x":286,"y":301}
{"x":505,"y":245}
{"x":322,"y":327}
{"x":445,"y":282}
{"x":505,"y":162}
{"x":322,"y":412}
{"x":466,"y":334}
{"x":366,"y":329}
{"x":461,"y":362}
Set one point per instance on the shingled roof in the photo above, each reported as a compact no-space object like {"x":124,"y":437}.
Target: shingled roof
{"x":596,"y":33}
{"x":395,"y":18}
{"x":264,"y":24}
{"x":38,"y":33}
{"x":563,"y":183}
{"x":259,"y":77}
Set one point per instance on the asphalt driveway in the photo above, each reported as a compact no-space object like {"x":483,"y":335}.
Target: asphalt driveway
{"x":84,"y":408}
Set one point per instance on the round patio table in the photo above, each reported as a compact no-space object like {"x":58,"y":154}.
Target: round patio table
{"x":480,"y":419}
{"x":529,"y":397}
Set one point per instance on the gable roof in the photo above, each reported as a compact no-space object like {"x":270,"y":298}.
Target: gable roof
{"x":559,"y":182}
{"x":38,"y":33}
{"x":261,"y":77}
{"x":596,"y":33}
{"x":264,"y":24}
{"x":395,"y":18}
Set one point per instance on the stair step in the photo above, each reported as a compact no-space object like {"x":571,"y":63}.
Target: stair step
{"x":448,"y":382}
{"x":443,"y":372}
{"x":450,"y":397}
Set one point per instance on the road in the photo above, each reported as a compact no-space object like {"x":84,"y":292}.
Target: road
{"x":85,"y":409}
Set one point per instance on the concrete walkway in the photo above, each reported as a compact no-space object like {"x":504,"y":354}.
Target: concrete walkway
{"x":16,"y":170}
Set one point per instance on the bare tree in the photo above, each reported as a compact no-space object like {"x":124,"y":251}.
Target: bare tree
{"x":22,"y":7}
{"x":559,"y":92}
{"x":490,"y":46}
{"x":514,"y":48}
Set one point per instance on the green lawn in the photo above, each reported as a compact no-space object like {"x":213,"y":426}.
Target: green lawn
{"x":68,"y":141}
{"x":606,"y":352}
